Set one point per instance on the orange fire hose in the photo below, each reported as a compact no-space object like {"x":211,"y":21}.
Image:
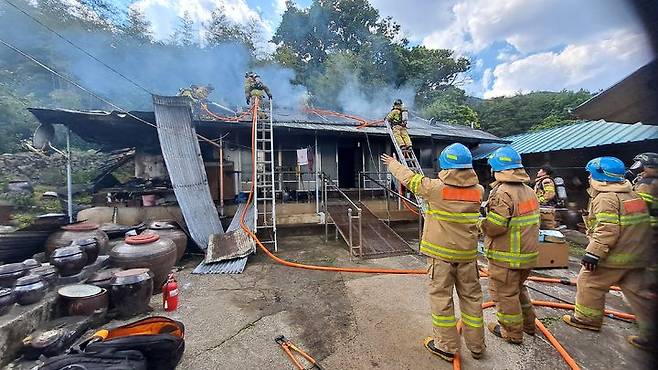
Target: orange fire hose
{"x":224,"y":118}
{"x":457,"y":362}
{"x":363,"y":122}
{"x":485,"y":273}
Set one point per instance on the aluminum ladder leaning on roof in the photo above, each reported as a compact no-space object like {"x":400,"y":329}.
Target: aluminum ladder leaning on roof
{"x":265,"y":194}
{"x":408,"y":158}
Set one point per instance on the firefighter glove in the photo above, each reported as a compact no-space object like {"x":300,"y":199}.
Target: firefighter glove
{"x":590,"y":261}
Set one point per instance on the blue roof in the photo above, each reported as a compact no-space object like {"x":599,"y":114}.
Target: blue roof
{"x":582,"y":135}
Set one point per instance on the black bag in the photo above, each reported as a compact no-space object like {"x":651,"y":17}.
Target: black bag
{"x":159,"y":339}
{"x":121,"y":360}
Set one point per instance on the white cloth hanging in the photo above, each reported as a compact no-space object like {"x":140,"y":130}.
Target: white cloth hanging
{"x":302,"y":156}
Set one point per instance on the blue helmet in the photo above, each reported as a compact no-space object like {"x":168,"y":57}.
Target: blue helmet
{"x":505,"y":158}
{"x":610,"y":169}
{"x":455,"y":156}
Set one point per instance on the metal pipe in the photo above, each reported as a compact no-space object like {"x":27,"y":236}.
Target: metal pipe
{"x":69,"y":180}
{"x":360,"y":234}
{"x":388,"y":208}
{"x":359,"y":181}
{"x":349,"y":218}
{"x":326,"y":211}
{"x":221,"y":176}
{"x":420,"y":228}
{"x":315,"y":163}
{"x":393,"y":192}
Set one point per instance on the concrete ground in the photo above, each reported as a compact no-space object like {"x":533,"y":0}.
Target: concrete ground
{"x":360,"y":321}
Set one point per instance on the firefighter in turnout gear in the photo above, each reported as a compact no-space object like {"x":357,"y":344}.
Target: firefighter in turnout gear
{"x":397,"y":118}
{"x":619,"y":236}
{"x":545,"y":190}
{"x":645,"y":184}
{"x":254,"y":87}
{"x":450,"y":243}
{"x":511,"y":234}
{"x":199,"y":95}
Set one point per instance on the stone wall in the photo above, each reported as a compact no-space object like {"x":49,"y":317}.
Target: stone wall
{"x":49,"y":170}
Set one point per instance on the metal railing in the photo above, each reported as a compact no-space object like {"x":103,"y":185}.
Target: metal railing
{"x":327,"y":183}
{"x":388,"y":191}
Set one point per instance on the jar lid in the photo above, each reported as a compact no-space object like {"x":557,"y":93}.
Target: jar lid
{"x":44,"y":270}
{"x":131,"y":272}
{"x":31,"y":263}
{"x":162,"y":225}
{"x":81,"y":226}
{"x":11,"y":268}
{"x":66,"y":251}
{"x":85,"y":242}
{"x":27,"y":280}
{"x":79,"y":291}
{"x":142,"y":239}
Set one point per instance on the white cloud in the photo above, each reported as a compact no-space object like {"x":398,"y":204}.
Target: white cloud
{"x":164,"y":14}
{"x":530,"y":26}
{"x":592,"y":66}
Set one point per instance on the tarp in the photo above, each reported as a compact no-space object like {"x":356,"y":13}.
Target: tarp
{"x":180,"y":148}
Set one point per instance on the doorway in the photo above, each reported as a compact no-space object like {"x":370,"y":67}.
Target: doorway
{"x":349,"y":164}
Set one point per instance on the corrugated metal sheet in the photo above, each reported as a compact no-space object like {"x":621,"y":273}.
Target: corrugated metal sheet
{"x":235,"y":242}
{"x":482,"y":151}
{"x":182,"y":155}
{"x":234,"y":266}
{"x":582,"y":135}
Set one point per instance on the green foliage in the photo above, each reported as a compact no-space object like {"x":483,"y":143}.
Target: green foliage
{"x":184,"y":33}
{"x":506,"y":116}
{"x":137,"y":27}
{"x":220,"y":30}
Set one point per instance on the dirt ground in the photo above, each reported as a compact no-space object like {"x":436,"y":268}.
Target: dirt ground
{"x":360,"y":321}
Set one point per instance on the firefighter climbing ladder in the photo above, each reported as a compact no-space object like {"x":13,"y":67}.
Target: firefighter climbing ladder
{"x":265,"y":195}
{"x":408,"y":158}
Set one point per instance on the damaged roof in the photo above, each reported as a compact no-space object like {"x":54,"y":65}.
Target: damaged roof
{"x":118,"y":129}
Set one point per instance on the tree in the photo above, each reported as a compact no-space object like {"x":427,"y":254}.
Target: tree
{"x":137,"y":27}
{"x":221,"y":30}
{"x":450,"y":106}
{"x":184,"y":33}
{"x":506,"y":116}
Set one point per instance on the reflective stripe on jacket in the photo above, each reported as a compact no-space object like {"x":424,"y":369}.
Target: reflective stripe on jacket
{"x":450,"y":229}
{"x":647,"y":188}
{"x":618,"y":226}
{"x":511,"y":227}
{"x":545,"y":190}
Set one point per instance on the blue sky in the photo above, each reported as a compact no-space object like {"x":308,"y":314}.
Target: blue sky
{"x":514,"y":45}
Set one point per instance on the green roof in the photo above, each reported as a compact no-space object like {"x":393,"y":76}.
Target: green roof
{"x":582,"y":135}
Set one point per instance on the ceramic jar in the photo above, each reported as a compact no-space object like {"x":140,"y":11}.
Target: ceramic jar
{"x":131,"y":291}
{"x":29,"y":289}
{"x":146,"y":251}
{"x":69,"y":261}
{"x":82,"y":299}
{"x":10,"y":272}
{"x":170,"y":230}
{"x":48,"y":273}
{"x":73,"y":232}
{"x":7,"y":299}
{"x":103,"y":278}
{"x":90,"y":247}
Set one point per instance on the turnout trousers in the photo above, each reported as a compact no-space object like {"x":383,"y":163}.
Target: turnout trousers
{"x":515,"y":313}
{"x":593,"y":285}
{"x":401,"y":136}
{"x":444,"y":278}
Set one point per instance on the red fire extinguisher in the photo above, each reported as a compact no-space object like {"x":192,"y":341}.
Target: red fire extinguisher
{"x":170,"y":294}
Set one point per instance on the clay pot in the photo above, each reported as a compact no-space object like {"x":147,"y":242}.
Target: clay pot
{"x":30,"y":264}
{"x":30,"y":289}
{"x":10,"y":272}
{"x":79,"y":231}
{"x":169,"y":230}
{"x":7,"y":299}
{"x":103,"y":278}
{"x":90,"y":247}
{"x":146,"y":251}
{"x":69,"y":261}
{"x":83,"y":299}
{"x":48,"y":273}
{"x":131,"y":291}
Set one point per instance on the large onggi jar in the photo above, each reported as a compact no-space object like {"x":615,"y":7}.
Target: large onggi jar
{"x":73,"y":232}
{"x":146,"y":251}
{"x":169,"y":230}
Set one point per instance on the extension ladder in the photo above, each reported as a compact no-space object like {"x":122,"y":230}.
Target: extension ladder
{"x":408,"y":158}
{"x":265,"y":194}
